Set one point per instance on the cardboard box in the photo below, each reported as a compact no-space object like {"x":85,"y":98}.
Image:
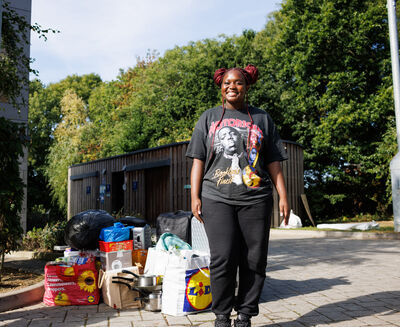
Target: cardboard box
{"x":116,"y":260}
{"x":115,"y":246}
{"x":118,"y":296}
{"x":139,"y":259}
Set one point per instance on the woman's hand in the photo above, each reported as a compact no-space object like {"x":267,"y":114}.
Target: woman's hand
{"x":196,"y":209}
{"x":275,"y":172}
{"x":284,"y":210}
{"x":196,"y":178}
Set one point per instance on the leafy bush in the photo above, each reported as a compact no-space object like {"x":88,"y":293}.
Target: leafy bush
{"x":44,"y":239}
{"x":12,"y":140}
{"x":39,"y":216}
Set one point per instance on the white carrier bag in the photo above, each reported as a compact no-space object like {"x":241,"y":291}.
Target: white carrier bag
{"x":186,"y":283}
{"x":156,"y":261}
{"x":199,"y":236}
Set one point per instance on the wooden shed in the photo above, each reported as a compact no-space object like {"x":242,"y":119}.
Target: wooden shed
{"x":151,"y":181}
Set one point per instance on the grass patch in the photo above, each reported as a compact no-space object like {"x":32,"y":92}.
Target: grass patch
{"x":361,"y":218}
{"x":385,"y":229}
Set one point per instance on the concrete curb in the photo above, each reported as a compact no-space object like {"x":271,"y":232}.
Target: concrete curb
{"x":296,"y":233}
{"x":22,"y":297}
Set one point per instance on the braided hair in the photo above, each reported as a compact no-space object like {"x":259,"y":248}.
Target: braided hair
{"x":250,"y":74}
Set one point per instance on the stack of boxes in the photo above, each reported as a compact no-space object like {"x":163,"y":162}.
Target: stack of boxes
{"x":115,"y":247}
{"x":115,"y":255}
{"x":121,"y":247}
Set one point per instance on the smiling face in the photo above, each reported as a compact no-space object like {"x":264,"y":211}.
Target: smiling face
{"x":233,"y":89}
{"x":228,"y":137}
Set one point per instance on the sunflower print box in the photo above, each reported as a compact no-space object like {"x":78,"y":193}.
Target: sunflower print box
{"x":71,"y":285}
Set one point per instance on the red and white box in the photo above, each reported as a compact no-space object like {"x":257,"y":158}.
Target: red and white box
{"x":115,"y":246}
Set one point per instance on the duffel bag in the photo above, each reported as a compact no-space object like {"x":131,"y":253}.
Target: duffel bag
{"x":178,"y":223}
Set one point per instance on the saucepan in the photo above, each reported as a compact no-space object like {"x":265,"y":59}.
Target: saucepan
{"x":152,"y":302}
{"x":145,"y":280}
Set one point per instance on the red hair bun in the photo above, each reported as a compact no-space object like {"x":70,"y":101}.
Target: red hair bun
{"x":253,"y":73}
{"x":219,"y":75}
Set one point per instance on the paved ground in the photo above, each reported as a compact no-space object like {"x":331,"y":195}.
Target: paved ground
{"x":310,"y":282}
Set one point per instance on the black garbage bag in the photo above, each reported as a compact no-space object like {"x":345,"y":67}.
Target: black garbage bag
{"x":82,"y":230}
{"x":133,"y":221}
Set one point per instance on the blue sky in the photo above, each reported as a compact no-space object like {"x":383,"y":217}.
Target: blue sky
{"x":100,"y":36}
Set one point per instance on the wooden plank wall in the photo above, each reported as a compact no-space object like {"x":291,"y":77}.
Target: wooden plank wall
{"x":180,"y":179}
{"x":166,"y":194}
{"x":170,"y":192}
{"x":293,"y":170}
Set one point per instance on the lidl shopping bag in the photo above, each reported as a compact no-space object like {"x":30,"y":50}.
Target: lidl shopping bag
{"x":71,"y":285}
{"x":186,"y":283}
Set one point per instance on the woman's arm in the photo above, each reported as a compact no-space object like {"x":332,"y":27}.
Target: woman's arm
{"x":196,"y":178}
{"x":275,"y":172}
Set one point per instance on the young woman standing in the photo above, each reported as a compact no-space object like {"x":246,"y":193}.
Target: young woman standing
{"x":236,"y":153}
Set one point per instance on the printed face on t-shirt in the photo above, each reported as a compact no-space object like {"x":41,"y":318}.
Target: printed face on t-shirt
{"x":228,"y":137}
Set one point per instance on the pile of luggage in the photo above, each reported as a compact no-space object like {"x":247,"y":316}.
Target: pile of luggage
{"x":124,"y":264}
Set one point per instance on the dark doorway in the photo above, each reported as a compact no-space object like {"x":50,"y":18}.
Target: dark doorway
{"x":117,"y":192}
{"x":157,"y":192}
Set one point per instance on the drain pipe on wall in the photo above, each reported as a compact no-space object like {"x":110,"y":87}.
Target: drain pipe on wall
{"x":395,"y":163}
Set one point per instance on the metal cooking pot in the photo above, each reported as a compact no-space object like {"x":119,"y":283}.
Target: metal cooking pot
{"x":143,"y":280}
{"x":152,"y":302}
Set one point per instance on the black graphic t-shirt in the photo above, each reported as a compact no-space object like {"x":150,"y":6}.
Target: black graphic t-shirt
{"x":236,"y":154}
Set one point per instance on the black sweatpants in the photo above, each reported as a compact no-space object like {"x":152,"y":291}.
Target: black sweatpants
{"x":238,"y":237}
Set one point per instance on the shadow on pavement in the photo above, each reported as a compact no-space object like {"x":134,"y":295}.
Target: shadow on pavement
{"x":285,"y":253}
{"x":278,"y":289}
{"x":384,"y":304}
{"x":44,"y":316}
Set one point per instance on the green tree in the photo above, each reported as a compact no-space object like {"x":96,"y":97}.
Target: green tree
{"x":327,"y":78}
{"x":104,"y":110}
{"x":66,"y":148}
{"x":44,"y":116}
{"x":12,"y":140}
{"x":163,"y":97}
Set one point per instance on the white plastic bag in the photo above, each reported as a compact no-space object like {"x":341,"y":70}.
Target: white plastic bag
{"x":294,"y":221}
{"x":156,"y":261}
{"x":186,"y":283}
